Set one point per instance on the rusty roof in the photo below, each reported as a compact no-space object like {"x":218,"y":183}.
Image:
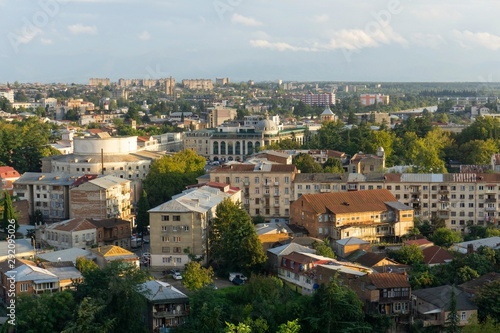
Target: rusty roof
{"x":419,"y":242}
{"x":389,"y":280}
{"x":436,"y":255}
{"x":349,"y":202}
{"x":75,"y":224}
{"x":300,"y":258}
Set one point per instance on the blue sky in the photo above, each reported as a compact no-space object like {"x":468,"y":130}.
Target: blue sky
{"x":315,"y":40}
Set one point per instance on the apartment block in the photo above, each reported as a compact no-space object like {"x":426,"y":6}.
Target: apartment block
{"x":182,"y":223}
{"x":97,"y":81}
{"x":113,"y":231}
{"x":198,"y":84}
{"x":266,"y":188}
{"x":370,"y":99}
{"x":325,"y":99}
{"x":374,"y":216}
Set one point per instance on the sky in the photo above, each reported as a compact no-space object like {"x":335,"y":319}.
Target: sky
{"x":262,"y":40}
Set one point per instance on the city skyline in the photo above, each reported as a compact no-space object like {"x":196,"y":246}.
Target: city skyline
{"x":74,"y":40}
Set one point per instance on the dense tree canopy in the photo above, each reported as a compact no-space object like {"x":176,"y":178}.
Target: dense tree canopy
{"x":234,"y":245}
{"x":171,"y":174}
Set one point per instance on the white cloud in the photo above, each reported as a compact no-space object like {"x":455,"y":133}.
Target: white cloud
{"x":280,"y":46}
{"x":46,"y":41}
{"x":321,"y":18}
{"x":428,"y":40}
{"x":248,"y":21}
{"x":469,"y":39}
{"x":355,"y":39}
{"x":77,"y":29}
{"x":437,"y":12}
{"x":144,"y":35}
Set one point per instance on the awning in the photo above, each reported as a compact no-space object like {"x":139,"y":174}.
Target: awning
{"x":433,"y":311}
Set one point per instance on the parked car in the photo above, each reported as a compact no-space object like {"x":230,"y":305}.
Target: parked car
{"x":240,"y":276}
{"x":173,"y":271}
{"x":177,"y":276}
{"x":238,"y":281}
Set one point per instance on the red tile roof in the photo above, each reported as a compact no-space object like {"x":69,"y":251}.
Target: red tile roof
{"x":8,"y":172}
{"x":389,"y":280}
{"x":436,"y":255}
{"x":348,"y":202}
{"x":76,"y":224}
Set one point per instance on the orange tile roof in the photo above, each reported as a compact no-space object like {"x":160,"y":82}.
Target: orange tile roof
{"x":389,"y":280}
{"x":8,"y":172}
{"x":419,"y":242}
{"x":75,"y":224}
{"x":349,"y":202}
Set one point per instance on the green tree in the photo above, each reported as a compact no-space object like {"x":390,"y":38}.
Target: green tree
{"x":335,"y":309}
{"x":118,"y":287}
{"x":196,"y":277}
{"x":306,"y":164}
{"x":170,"y":175}
{"x":488,"y":301}
{"x":445,"y":237}
{"x":289,"y":327}
{"x":240,"y":328}
{"x":46,"y":313}
{"x":89,"y":318}
{"x":142,"y":213}
{"x":324,"y":249}
{"x":409,"y":255}
{"x":453,"y":320}
{"x":234,"y":245}
{"x":465,"y":273}
{"x":333,"y":165}
{"x":8,"y":213}
{"x":488,"y":325}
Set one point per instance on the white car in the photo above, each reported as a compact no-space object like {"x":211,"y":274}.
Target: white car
{"x":177,"y":276}
{"x":237,"y":275}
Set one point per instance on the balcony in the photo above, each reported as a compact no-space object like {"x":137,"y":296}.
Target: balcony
{"x":246,"y":183}
{"x":443,"y":192}
{"x":444,"y":199}
{"x":267,"y":194}
{"x":490,"y":209}
{"x":276,"y":183}
{"x":324,"y":190}
{"x":276,"y":205}
{"x":491,"y":200}
{"x":267,"y":184}
{"x":168,"y":314}
{"x":415,"y":200}
{"x":415,"y":191}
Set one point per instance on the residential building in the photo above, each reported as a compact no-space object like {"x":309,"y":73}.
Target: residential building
{"x":181,"y":223}
{"x":198,"y":141}
{"x":370,"y":99}
{"x":432,"y":306}
{"x":113,"y":231}
{"x":271,"y":234}
{"x":217,"y":116}
{"x":375,"y":261}
{"x":472,"y":287}
{"x":436,"y":255}
{"x":325,"y":99}
{"x":167,"y":307}
{"x":368,"y":163}
{"x":8,"y":175}
{"x":46,"y":192}
{"x":274,"y":255}
{"x":108,"y":253}
{"x":198,"y":84}
{"x":76,"y":232}
{"x":374,"y":216}
{"x":101,"y":198}
{"x":344,"y":247}
{"x":373,"y":117}
{"x":222,"y":81}
{"x":8,"y":94}
{"x":266,"y":188}
{"x":65,"y":271}
{"x":386,"y":294}
{"x":473,"y":245}
{"x":27,"y":278}
{"x":97,"y":82}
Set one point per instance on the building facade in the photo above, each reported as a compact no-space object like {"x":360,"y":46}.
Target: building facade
{"x":325,"y":99}
{"x":374,"y":216}
{"x":198,"y":84}
{"x":76,"y":232}
{"x":101,"y":198}
{"x":266,"y":188}
{"x":182,"y":223}
{"x":370,"y":99}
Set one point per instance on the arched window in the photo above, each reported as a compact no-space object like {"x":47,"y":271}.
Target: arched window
{"x":216,"y":148}
{"x":223,"y":148}
{"x":250,"y":148}
{"x":237,"y":150}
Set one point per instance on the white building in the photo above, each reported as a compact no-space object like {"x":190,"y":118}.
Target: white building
{"x":76,"y":232}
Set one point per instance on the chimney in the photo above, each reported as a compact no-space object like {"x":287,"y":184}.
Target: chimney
{"x":470,"y":248}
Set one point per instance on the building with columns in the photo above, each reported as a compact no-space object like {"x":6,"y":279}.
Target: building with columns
{"x":234,"y":141}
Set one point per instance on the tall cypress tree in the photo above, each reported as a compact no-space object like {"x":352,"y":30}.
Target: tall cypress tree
{"x":452,"y":320}
{"x":8,"y":212}
{"x":142,"y":213}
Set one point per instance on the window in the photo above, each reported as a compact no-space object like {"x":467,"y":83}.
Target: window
{"x":76,"y":238}
{"x":256,"y":180}
{"x":287,"y":180}
{"x":164,"y":228}
{"x":464,"y":315}
{"x":165,"y":238}
{"x":165,"y":249}
{"x":299,"y":187}
{"x":257,"y":190}
{"x":176,"y":218}
{"x":287,"y":191}
{"x":165,"y":218}
{"x":176,"y":239}
{"x":24,"y":287}
{"x":398,"y":187}
{"x":176,"y":250}
{"x":389,"y":187}
{"x":237,"y":180}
